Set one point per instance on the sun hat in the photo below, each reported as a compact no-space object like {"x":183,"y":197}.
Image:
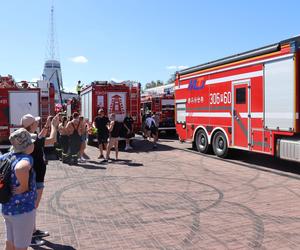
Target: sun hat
{"x":28,"y":119}
{"x":20,"y":140}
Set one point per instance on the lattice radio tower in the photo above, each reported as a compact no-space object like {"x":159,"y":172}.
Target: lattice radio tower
{"x":52,"y":68}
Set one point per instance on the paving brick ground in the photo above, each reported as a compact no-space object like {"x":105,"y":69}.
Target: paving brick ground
{"x":171,"y":198}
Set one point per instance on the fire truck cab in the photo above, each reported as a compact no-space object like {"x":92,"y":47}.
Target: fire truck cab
{"x":248,"y":101}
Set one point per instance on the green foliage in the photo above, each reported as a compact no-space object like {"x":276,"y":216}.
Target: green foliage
{"x":153,"y":84}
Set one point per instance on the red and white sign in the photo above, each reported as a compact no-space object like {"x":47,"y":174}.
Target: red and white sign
{"x":117,"y":104}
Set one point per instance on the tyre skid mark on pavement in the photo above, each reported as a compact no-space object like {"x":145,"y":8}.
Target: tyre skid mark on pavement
{"x":281,"y":219}
{"x":292,"y":191}
{"x":248,"y":165}
{"x":256,"y":240}
{"x":61,"y":211}
{"x":59,"y":207}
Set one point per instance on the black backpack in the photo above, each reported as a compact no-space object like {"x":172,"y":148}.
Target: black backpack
{"x":5,"y":177}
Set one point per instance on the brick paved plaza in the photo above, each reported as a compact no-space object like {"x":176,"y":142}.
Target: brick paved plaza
{"x":170,"y":198}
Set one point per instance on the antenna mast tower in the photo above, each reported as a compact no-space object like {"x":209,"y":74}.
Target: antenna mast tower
{"x":52,"y":69}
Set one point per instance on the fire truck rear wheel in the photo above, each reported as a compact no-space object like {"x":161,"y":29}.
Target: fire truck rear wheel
{"x":220,"y":145}
{"x":202,"y":141}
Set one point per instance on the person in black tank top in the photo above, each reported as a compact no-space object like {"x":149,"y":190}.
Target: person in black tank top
{"x":114,"y":130}
{"x":64,"y":139}
{"x":74,"y":138}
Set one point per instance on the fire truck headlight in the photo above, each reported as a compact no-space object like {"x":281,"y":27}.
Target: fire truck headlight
{"x":183,"y":125}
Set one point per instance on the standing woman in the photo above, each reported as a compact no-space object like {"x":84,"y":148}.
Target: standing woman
{"x":19,"y":211}
{"x":114,"y":133}
{"x":31,"y":123}
{"x":64,"y":139}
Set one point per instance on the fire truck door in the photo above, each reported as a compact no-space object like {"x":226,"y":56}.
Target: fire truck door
{"x":181,"y":119}
{"x":240,"y":114}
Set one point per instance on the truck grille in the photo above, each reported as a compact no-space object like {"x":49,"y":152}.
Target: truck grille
{"x":289,"y":149}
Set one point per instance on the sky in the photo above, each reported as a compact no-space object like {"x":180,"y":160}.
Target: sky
{"x":140,"y":40}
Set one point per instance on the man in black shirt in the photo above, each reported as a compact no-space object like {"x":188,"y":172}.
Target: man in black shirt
{"x":128,"y":124}
{"x":101,"y":122}
{"x":31,"y":123}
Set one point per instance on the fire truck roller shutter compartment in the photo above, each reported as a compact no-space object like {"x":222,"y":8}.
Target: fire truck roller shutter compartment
{"x":279,"y":78}
{"x":86,"y":108}
{"x":181,"y":119}
{"x":22,"y":103}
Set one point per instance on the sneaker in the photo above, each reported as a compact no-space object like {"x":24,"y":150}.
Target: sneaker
{"x":100,"y":156}
{"x":111,"y":160}
{"x":37,"y":242}
{"x":105,"y":160}
{"x":40,"y":233}
{"x":81,"y":160}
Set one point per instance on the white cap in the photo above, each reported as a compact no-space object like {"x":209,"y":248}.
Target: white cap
{"x":28,"y":120}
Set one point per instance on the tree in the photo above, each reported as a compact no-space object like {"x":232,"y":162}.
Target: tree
{"x":171,"y":79}
{"x":159,"y":83}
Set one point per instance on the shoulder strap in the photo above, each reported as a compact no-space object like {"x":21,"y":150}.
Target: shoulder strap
{"x":75,"y":127}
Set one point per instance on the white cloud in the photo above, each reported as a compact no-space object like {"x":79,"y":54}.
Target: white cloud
{"x":79,"y":59}
{"x":182,"y":67}
{"x":175,"y":67}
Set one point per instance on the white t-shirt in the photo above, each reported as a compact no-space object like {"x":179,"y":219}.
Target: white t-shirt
{"x":149,"y":121}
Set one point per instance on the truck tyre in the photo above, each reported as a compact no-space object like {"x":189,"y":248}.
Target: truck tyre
{"x":201,"y":141}
{"x":220,"y":144}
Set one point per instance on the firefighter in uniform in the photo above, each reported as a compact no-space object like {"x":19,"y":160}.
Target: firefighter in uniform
{"x":78,"y":87}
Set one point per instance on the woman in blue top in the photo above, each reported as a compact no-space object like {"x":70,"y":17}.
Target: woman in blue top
{"x":19,"y":211}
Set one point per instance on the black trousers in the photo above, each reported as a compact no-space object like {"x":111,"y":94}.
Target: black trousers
{"x":64,"y":143}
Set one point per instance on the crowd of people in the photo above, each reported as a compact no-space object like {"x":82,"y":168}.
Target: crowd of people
{"x":27,"y":169}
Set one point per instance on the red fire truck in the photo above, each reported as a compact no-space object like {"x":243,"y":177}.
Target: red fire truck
{"x":163,"y":105}
{"x":117,"y":98}
{"x":17,"y":100}
{"x":247,"y":101}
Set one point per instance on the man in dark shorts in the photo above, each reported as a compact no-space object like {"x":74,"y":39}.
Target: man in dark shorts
{"x":128,"y":124}
{"x":101,"y":122}
{"x":151,"y":129}
{"x":31,"y":123}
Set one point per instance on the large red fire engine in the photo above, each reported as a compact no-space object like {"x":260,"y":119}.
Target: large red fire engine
{"x":163,"y":105}
{"x":248,"y":101}
{"x":117,"y":98}
{"x":17,"y":100}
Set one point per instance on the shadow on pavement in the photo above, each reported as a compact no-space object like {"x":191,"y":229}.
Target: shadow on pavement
{"x":147,"y":146}
{"x":129,"y":163}
{"x":91,"y":165}
{"x":50,"y":245}
{"x":261,"y":160}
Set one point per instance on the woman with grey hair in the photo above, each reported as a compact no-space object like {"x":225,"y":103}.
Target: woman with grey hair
{"x":19,"y":211}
